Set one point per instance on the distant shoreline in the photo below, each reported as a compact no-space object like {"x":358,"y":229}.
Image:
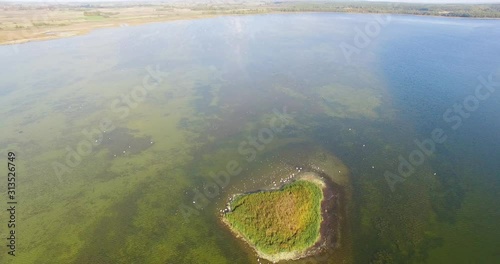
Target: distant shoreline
{"x":79,"y":30}
{"x":23,"y":22}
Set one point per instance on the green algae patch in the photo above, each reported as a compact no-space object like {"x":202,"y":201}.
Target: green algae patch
{"x":279,"y":224}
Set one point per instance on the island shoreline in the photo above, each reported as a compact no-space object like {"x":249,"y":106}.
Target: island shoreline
{"x":329,"y":219}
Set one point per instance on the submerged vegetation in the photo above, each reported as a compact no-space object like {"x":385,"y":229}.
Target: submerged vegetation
{"x":279,"y":221}
{"x":121,"y":204}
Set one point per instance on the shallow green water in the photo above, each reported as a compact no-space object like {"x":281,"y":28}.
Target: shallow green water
{"x":204,"y":88}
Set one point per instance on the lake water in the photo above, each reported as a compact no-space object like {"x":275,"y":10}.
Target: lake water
{"x":118,"y":132}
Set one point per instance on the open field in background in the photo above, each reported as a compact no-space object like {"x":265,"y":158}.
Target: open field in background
{"x":286,"y":220}
{"x":21,"y":22}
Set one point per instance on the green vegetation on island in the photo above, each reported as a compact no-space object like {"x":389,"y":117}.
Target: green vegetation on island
{"x":279,"y":224}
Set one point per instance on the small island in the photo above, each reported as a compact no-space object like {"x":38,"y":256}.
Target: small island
{"x":280,"y":224}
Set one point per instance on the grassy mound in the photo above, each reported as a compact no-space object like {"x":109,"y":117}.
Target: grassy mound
{"x":285,"y":220}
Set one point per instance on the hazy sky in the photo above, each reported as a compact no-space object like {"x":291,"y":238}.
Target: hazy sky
{"x":442,"y":1}
{"x":222,"y":1}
